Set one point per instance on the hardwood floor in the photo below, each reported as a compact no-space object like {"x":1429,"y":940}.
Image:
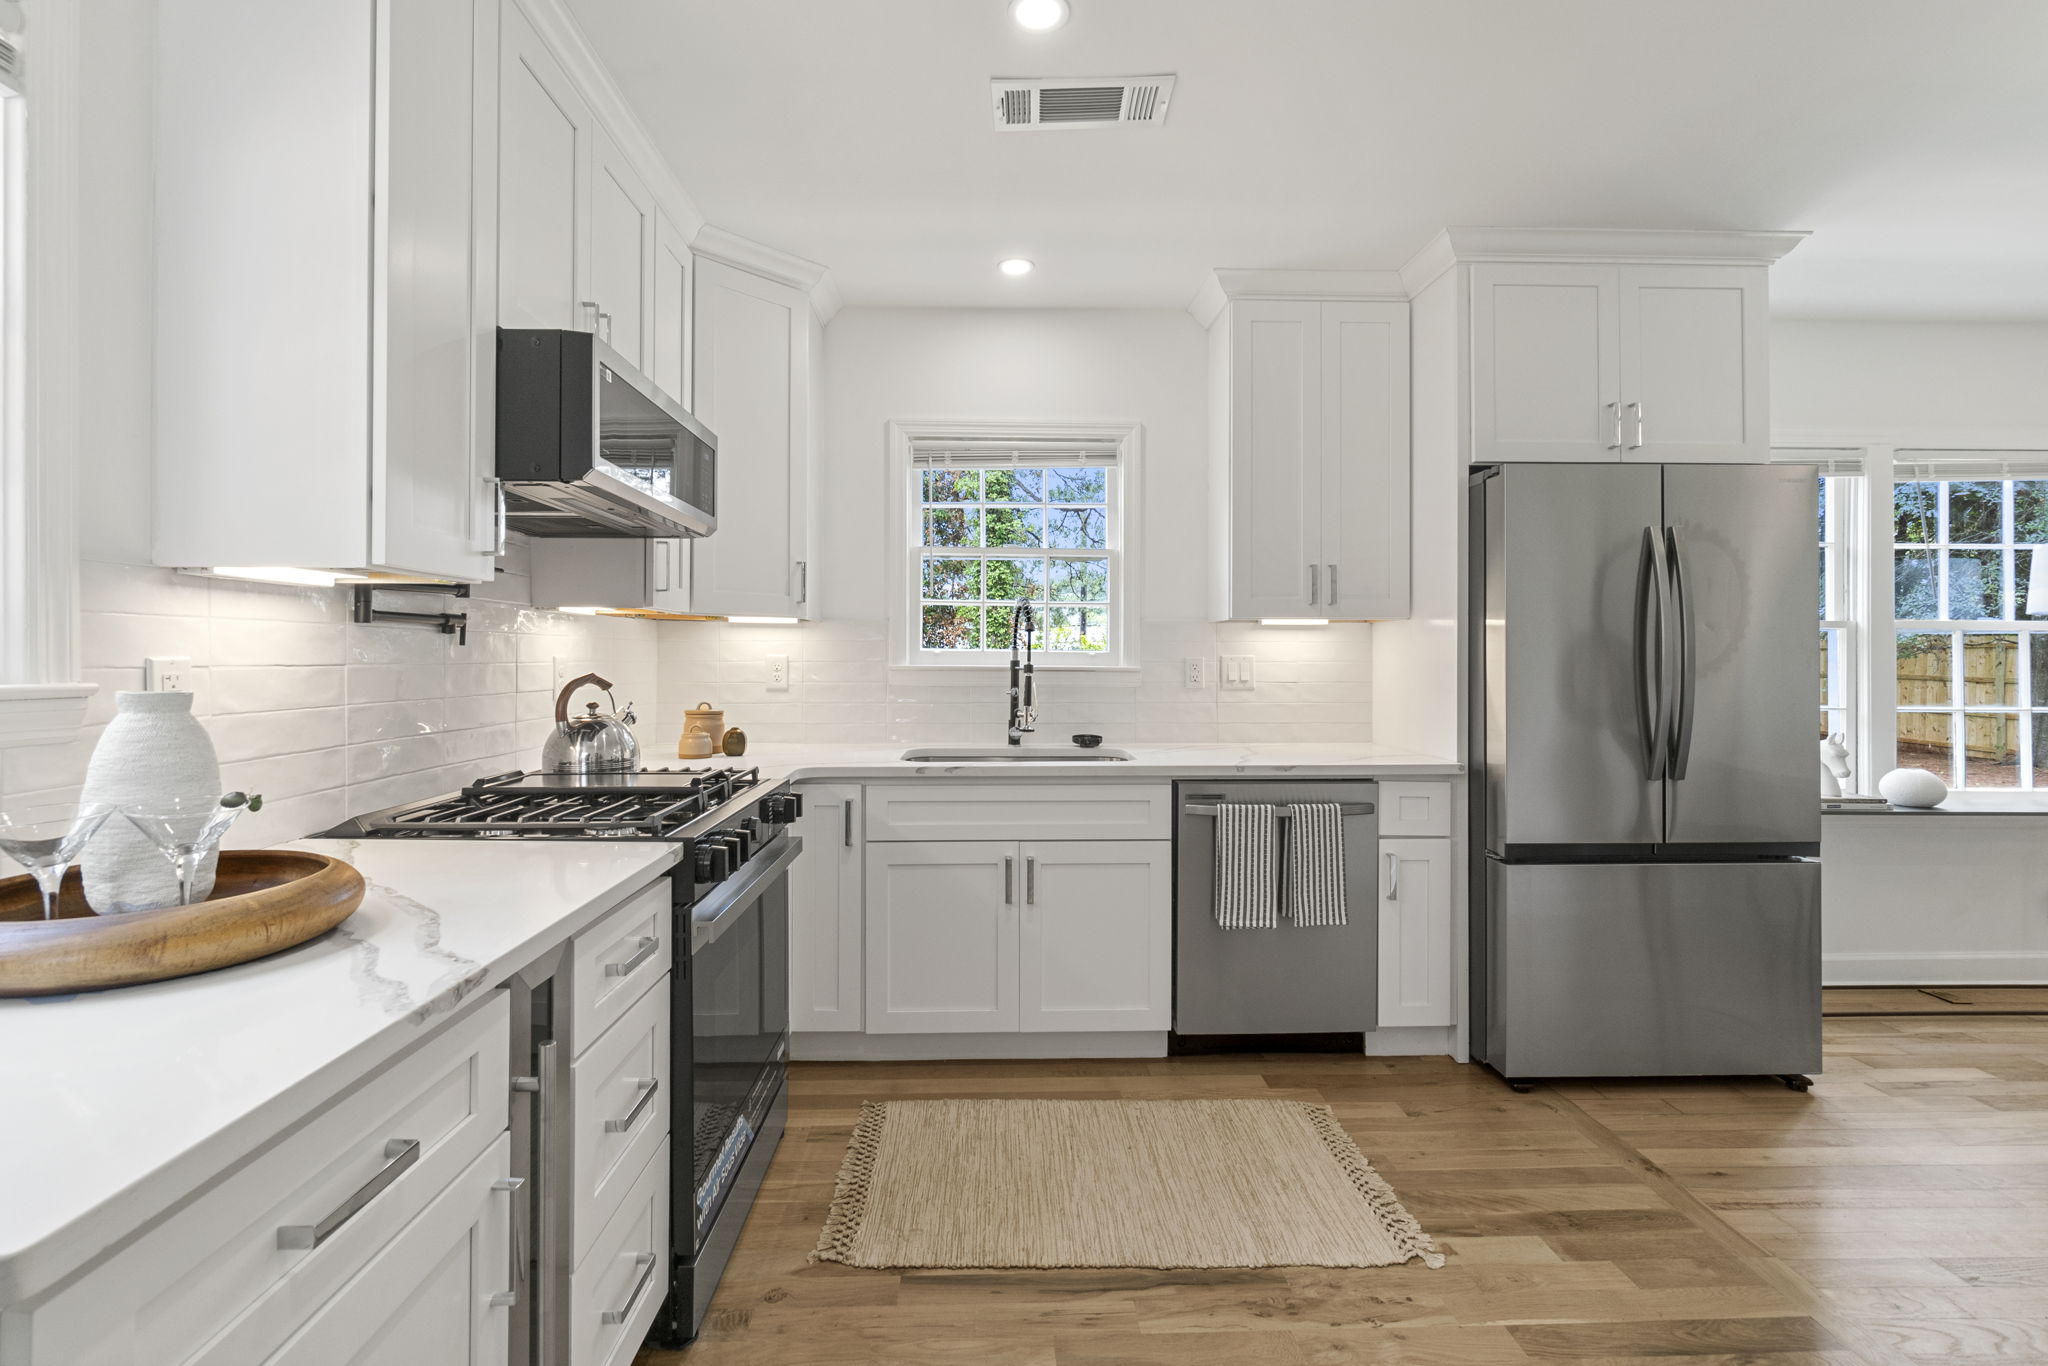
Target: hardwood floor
{"x":1935,"y":1001}
{"x":1898,"y":1213}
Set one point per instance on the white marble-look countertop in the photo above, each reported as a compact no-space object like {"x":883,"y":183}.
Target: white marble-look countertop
{"x":1305,"y":759}
{"x":118,"y":1103}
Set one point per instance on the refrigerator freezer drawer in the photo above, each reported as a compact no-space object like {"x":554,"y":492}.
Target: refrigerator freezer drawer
{"x":1652,"y":970}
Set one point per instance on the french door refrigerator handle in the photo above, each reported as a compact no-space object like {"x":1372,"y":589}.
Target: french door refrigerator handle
{"x":1653,"y":587}
{"x":1686,"y":675}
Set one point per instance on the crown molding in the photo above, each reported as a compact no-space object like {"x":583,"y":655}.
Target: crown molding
{"x":1226,"y":283}
{"x":770,"y":263}
{"x":1639,"y":246}
{"x":571,"y":47}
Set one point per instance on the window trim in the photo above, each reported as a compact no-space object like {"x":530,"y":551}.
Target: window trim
{"x":40,"y":700}
{"x":1126,"y":534}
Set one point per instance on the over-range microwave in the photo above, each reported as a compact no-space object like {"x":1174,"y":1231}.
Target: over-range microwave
{"x":588,"y":446}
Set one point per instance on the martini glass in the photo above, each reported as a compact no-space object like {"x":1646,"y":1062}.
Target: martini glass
{"x":46,"y":839}
{"x":185,"y":830}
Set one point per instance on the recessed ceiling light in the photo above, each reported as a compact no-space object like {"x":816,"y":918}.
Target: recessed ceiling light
{"x":1016,"y":265}
{"x":1040,"y":16}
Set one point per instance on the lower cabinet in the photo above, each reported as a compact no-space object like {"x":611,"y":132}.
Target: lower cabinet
{"x":1415,"y":932}
{"x":825,"y":912}
{"x":971,"y":936}
{"x":440,"y":1291}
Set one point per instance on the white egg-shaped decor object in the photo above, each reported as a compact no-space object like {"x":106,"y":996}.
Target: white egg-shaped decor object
{"x":1914,"y":787}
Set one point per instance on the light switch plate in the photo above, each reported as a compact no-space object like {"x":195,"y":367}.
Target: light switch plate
{"x":167,"y":673}
{"x":778,"y":673}
{"x":1237,"y":672}
{"x":1198,"y":673}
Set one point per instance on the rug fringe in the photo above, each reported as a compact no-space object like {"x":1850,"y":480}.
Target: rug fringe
{"x":850,"y":1190}
{"x":1407,"y":1233}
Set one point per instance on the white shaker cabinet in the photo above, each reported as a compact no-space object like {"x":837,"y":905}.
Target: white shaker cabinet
{"x":753,"y":359}
{"x":1604,"y":362}
{"x":622,"y":232}
{"x":1312,"y":458}
{"x":825,"y":890}
{"x":326,"y":267}
{"x":1095,"y":935}
{"x":615,"y":572}
{"x":1415,"y":986}
{"x":544,"y":174}
{"x":942,"y":937}
{"x":668,"y":356}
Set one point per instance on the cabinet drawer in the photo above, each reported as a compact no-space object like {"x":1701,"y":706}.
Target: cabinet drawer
{"x":615,"y":961}
{"x":1020,"y":811}
{"x":213,"y":1280}
{"x":615,"y":1291}
{"x":619,"y":1089}
{"x":1411,"y":810}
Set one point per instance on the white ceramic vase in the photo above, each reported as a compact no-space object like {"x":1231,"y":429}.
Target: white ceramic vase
{"x":153,"y":750}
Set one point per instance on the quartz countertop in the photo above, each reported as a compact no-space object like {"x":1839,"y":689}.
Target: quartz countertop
{"x":1301,"y":759}
{"x":1983,"y":802}
{"x":121,"y":1102}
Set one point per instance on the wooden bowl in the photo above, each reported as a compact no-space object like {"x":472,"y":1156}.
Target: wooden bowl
{"x":264,"y":900}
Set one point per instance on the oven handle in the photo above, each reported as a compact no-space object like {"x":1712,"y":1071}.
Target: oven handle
{"x":718,"y":912}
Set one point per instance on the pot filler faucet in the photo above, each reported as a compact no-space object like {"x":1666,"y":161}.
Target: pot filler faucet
{"x":1022,"y":713}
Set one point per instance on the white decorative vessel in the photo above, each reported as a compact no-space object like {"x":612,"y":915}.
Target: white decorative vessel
{"x":1915,"y":788}
{"x":152,"y":751}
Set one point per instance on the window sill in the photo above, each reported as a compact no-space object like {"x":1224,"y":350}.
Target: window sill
{"x":1968,"y":803}
{"x":1038,"y":664}
{"x":42,"y":713}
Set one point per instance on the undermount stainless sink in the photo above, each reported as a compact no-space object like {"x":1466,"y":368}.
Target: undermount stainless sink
{"x":1005,"y":754}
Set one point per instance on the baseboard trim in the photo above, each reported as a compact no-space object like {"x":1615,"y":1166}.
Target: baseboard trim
{"x":820,"y":1047}
{"x":2001,"y":969}
{"x":1411,"y":1041}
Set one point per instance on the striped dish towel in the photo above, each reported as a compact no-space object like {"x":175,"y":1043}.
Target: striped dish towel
{"x":1315,"y":864}
{"x":1244,"y":866}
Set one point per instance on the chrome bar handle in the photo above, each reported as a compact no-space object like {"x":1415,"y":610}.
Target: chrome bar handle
{"x":649,"y":943}
{"x":1687,"y":672}
{"x":1030,"y":879}
{"x":1330,"y":580}
{"x":504,"y":1299}
{"x":399,"y":1154}
{"x":1637,"y":409}
{"x":624,"y":1312}
{"x":588,"y":307}
{"x":1651,"y":590}
{"x":847,"y":838}
{"x":1009,"y":880}
{"x":1614,"y":410}
{"x":648,"y":1087}
{"x":1312,"y":585}
{"x":803,"y":581}
{"x":1393,"y":877}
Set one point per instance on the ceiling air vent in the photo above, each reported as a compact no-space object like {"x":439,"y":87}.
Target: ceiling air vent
{"x":1100,"y":102}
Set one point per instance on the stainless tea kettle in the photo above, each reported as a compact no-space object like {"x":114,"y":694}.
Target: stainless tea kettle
{"x":592,"y":743}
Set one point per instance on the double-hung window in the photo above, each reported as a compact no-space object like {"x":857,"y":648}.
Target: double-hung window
{"x":998,"y":523}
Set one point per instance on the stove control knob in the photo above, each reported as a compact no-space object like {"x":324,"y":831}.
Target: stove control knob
{"x":711,"y":862}
{"x":752,"y":826}
{"x":782,"y":809}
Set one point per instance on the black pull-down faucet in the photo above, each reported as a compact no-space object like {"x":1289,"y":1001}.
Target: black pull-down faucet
{"x":1022,"y":713}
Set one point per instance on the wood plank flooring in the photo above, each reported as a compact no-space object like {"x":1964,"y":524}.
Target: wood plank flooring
{"x":1935,"y":1001}
{"x":1897,"y":1214}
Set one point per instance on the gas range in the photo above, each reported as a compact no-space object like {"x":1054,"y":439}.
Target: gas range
{"x":646,"y":803}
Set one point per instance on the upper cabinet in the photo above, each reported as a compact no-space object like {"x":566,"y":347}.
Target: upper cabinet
{"x":326,"y":268}
{"x":621,"y":255}
{"x":545,"y":150}
{"x":1660,"y":353}
{"x":755,"y":343}
{"x":1310,"y":435}
{"x":668,"y":360}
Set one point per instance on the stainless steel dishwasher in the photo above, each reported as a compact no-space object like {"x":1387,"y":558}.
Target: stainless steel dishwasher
{"x":1229,"y":985}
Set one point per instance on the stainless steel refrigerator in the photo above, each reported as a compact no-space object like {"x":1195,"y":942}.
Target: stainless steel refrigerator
{"x":1645,"y":789}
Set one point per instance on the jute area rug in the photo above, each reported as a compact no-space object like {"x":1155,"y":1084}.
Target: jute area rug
{"x":1152,"y":1183}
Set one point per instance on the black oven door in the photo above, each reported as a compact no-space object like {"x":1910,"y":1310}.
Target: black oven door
{"x":739,"y":1026}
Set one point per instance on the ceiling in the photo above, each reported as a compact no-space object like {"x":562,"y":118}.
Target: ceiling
{"x":1910,"y":136}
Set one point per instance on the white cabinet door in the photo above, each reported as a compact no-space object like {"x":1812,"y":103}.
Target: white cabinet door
{"x":1546,"y":368}
{"x":1095,"y":935}
{"x":668,"y":575}
{"x":752,"y":364}
{"x":621,"y":252}
{"x":544,"y":151}
{"x":1364,"y":502}
{"x":669,"y":357}
{"x":1415,"y":932}
{"x":942,"y":938}
{"x":825,"y":911}
{"x":1276,"y":458}
{"x":1695,"y":368}
{"x":428,"y":1295}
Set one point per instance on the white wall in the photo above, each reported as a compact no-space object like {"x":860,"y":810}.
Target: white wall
{"x":1910,"y":382}
{"x":1150,"y":366}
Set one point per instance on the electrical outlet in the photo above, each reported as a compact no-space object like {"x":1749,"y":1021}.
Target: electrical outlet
{"x":1237,"y":672}
{"x":778,"y":673}
{"x":1197,"y":672}
{"x":167,"y":673}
